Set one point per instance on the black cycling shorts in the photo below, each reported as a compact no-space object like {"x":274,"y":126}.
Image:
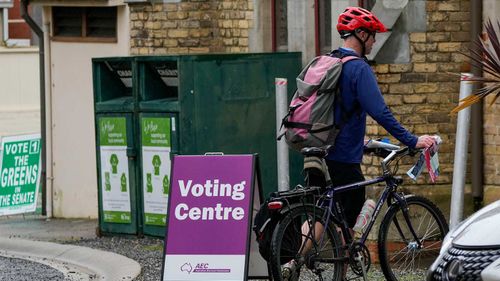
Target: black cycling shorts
{"x":352,"y":201}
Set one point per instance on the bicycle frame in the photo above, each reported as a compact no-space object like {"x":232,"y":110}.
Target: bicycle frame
{"x":389,"y":193}
{"x":321,"y":228}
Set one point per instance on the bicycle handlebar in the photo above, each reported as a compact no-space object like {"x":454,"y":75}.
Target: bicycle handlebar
{"x":388,"y":151}
{"x":381,"y":149}
{"x":380,"y":144}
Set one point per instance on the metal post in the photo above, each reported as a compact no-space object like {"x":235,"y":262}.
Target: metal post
{"x":4,"y":31}
{"x":282,"y":148}
{"x":1,"y":26}
{"x":460,"y":163}
{"x":477,"y":163}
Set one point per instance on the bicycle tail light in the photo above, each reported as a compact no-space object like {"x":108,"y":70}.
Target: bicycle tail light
{"x":275,"y":205}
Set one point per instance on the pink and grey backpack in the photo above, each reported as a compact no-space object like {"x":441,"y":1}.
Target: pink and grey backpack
{"x":310,"y":119}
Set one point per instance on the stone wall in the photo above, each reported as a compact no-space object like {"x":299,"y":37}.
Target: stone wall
{"x":491,"y":150}
{"x":192,"y":26}
{"x":491,"y":125}
{"x":422,"y":93}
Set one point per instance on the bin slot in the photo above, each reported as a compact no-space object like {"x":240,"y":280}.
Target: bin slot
{"x":114,"y":81}
{"x":160,"y":81}
{"x":123,"y":70}
{"x":168,"y":72}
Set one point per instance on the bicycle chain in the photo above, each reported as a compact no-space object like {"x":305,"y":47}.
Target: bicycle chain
{"x":355,"y":264}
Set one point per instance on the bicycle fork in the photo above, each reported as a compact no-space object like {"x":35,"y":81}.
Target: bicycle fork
{"x":404,"y":208}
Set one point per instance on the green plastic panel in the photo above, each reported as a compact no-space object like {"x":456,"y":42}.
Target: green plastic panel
{"x":158,"y":142}
{"x":116,"y":167}
{"x":228,"y":105}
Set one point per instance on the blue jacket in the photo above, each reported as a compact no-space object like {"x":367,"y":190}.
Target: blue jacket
{"x":360,"y":94}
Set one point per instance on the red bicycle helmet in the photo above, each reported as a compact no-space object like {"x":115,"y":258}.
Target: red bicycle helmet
{"x":358,"y":18}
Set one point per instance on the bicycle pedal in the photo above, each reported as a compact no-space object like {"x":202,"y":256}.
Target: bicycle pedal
{"x":289,"y":271}
{"x":290,"y":276}
{"x":286,"y":274}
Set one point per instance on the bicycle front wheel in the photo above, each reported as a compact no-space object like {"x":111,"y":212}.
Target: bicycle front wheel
{"x":401,"y":257}
{"x":317,"y":258}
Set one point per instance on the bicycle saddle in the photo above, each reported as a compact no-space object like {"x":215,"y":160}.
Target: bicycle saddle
{"x":314,"y":151}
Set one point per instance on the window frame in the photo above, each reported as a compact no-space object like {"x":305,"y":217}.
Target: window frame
{"x":276,"y":6}
{"x":323,"y":32}
{"x":84,"y":12}
{"x":366,"y":4}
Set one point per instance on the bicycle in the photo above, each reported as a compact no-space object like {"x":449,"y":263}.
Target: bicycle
{"x":409,"y":237}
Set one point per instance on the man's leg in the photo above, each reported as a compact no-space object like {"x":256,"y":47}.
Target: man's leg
{"x":351,"y":201}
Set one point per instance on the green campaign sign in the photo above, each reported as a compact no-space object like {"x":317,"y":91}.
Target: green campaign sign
{"x":114,"y":171}
{"x":156,"y":147}
{"x":20,"y":174}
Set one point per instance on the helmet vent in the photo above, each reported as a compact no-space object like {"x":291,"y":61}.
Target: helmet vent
{"x":354,"y":18}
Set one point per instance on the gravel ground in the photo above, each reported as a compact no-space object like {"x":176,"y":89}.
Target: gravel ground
{"x":16,"y":270}
{"x":148,"y":252}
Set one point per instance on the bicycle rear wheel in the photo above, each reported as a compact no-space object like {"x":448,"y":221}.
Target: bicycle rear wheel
{"x":323,"y":257}
{"x":400,"y":256}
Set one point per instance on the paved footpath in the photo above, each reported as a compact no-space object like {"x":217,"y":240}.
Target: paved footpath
{"x":32,"y":240}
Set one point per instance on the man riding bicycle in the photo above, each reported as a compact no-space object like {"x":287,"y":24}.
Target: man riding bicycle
{"x":359,"y":96}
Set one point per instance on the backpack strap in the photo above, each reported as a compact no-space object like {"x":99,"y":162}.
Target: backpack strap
{"x":349,"y":58}
{"x":306,"y":126}
{"x":285,"y":123}
{"x":346,"y":115}
{"x":338,"y":54}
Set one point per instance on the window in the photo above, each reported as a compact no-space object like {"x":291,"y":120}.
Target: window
{"x":93,"y":24}
{"x":14,"y":32}
{"x":280,"y":28}
{"x":324,"y":29}
{"x":367,"y":4}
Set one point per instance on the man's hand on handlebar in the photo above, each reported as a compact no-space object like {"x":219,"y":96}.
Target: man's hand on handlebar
{"x":425,"y":141}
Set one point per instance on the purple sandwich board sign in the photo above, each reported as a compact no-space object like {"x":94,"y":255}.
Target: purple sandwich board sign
{"x":209,"y":215}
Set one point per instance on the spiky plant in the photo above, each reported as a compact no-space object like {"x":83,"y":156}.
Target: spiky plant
{"x":489,"y":59}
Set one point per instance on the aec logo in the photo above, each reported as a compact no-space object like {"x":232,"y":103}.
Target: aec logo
{"x":187,"y":268}
{"x":202,"y":268}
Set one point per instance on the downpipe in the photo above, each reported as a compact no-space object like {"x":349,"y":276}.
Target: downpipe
{"x":39,"y":32}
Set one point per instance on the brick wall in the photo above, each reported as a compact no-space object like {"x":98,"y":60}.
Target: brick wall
{"x":491,"y":126}
{"x":421,"y":93}
{"x":192,"y":26}
{"x":491,"y":151}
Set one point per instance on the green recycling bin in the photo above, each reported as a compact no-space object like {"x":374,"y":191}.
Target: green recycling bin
{"x":149,"y":108}
{"x":158,"y":114}
{"x":207,"y":103}
{"x":114,"y":105}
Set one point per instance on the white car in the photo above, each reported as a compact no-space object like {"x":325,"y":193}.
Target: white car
{"x":472,"y":250}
